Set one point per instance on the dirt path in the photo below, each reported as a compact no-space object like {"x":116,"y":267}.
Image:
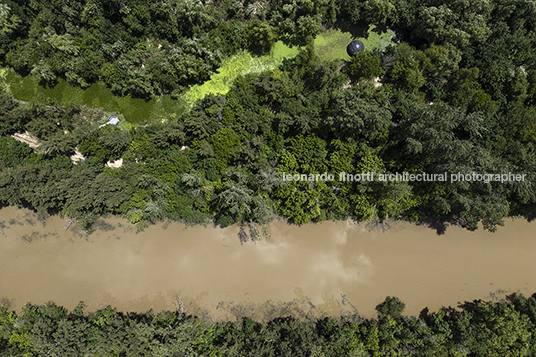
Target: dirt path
{"x":27,"y":138}
{"x":34,"y":143}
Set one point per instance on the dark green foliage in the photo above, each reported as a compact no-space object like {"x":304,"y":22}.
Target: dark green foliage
{"x":58,"y":144}
{"x":12,"y":152}
{"x":359,"y":119}
{"x":364,"y":65}
{"x":12,"y":117}
{"x":406,"y":69}
{"x":457,"y":96}
{"x":261,"y":36}
{"x":477,"y":328}
{"x":391,"y":307}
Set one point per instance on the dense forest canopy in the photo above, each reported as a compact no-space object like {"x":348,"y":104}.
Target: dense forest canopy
{"x":477,"y":328}
{"x":456,"y":94}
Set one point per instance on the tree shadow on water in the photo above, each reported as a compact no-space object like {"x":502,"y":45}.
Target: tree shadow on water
{"x":531,"y":217}
{"x":439,"y":226}
{"x":243,"y":236}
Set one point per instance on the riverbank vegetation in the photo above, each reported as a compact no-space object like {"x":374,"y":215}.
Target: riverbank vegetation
{"x":456,"y":93}
{"x":477,"y":328}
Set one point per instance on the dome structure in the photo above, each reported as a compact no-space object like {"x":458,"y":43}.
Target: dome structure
{"x":354,"y":47}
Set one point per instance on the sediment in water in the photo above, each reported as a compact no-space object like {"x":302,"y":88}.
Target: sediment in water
{"x":325,"y":269}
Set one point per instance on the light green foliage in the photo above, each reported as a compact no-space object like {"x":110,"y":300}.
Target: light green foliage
{"x":363,"y":207}
{"x":8,"y":21}
{"x":331,"y":45}
{"x":305,"y":155}
{"x":301,"y":200}
{"x":240,"y":65}
{"x":460,"y":23}
{"x":21,"y":342}
{"x":137,"y":204}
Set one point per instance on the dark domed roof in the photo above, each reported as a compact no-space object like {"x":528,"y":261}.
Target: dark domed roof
{"x":354,"y":47}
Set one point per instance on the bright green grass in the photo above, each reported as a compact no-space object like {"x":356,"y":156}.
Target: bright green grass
{"x":240,"y":65}
{"x":330,"y":46}
{"x":135,"y":110}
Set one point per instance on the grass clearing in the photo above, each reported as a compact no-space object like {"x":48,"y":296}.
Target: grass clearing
{"x":240,"y":65}
{"x":330,"y":46}
{"x":135,"y":110}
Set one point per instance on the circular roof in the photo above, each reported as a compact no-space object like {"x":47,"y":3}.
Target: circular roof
{"x":354,"y":47}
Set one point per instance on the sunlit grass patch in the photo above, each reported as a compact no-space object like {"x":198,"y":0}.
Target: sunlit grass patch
{"x":135,"y":110}
{"x":375,"y":40}
{"x":331,"y":45}
{"x":219,"y":82}
{"x":280,"y":51}
{"x":240,"y":65}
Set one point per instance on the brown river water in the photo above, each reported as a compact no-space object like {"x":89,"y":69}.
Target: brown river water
{"x":313,"y":270}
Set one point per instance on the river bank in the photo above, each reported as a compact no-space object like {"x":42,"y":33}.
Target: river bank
{"x":316,"y":269}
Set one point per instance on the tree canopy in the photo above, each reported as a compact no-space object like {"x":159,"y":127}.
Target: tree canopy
{"x":476,"y":328}
{"x":454,"y":94}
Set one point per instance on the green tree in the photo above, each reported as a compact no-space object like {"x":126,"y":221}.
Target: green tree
{"x":406,"y":69}
{"x":58,"y":144}
{"x":492,"y":330}
{"x":359,"y":119}
{"x":306,"y":26}
{"x":391,"y":307}
{"x":12,"y":152}
{"x":261,"y":36}
{"x":226,"y":142}
{"x":364,"y":65}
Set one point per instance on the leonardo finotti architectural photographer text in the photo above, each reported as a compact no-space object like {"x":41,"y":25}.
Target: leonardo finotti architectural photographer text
{"x":405,"y":176}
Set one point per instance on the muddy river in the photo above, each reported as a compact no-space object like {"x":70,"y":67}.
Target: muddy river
{"x":323,"y":269}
